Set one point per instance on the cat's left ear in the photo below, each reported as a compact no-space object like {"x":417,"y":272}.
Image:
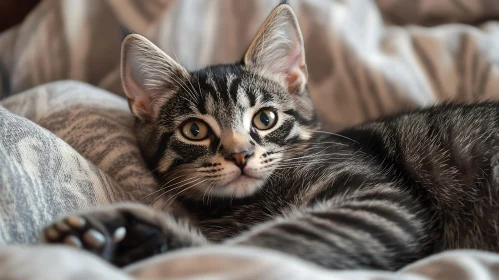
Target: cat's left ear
{"x":277,"y":51}
{"x":149,"y":76}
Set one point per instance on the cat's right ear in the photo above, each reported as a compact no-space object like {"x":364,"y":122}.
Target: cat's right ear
{"x":149,"y":76}
{"x":277,"y":50}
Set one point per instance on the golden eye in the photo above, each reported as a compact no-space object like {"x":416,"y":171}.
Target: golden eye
{"x":195,"y":130}
{"x":265,"y":119}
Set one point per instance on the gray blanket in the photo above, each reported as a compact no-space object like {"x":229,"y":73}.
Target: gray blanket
{"x":67,"y":146}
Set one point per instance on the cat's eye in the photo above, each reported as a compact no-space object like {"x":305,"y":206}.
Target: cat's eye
{"x":265,"y":119}
{"x":195,"y":130}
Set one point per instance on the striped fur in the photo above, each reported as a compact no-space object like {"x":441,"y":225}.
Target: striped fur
{"x":377,"y":196}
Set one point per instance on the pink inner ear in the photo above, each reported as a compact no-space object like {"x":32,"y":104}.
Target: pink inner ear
{"x":294,"y":81}
{"x":141,"y":105}
{"x":295,"y":56}
{"x":138,"y":98}
{"x":294,"y":78}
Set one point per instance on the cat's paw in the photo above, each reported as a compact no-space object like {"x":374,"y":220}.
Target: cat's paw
{"x":81,"y":232}
{"x":122,"y":234}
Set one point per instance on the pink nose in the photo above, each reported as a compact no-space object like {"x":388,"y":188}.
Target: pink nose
{"x":240,"y":159}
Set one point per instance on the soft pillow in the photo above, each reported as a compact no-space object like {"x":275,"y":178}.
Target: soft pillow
{"x":45,"y":177}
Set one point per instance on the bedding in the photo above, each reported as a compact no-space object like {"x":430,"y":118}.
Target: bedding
{"x":68,"y":145}
{"x":218,"y":262}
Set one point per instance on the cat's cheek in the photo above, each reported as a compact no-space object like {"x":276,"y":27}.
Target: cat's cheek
{"x":262,"y":165}
{"x":254,"y":172}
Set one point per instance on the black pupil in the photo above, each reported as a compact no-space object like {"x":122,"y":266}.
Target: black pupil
{"x":195,"y":129}
{"x":264,"y":119}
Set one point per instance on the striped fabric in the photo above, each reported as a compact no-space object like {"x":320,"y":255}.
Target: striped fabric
{"x":360,"y":66}
{"x":43,"y":177}
{"x":66,"y":146}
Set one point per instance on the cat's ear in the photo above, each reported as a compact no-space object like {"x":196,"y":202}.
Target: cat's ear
{"x":149,"y":76}
{"x":278,"y":51}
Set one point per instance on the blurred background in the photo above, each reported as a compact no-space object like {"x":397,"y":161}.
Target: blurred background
{"x":365,"y":58}
{"x":13,"y":12}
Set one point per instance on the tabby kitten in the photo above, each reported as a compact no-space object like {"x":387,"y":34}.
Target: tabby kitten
{"x":377,"y":196}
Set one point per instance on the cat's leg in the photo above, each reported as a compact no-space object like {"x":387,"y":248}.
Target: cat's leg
{"x":372,"y":229}
{"x":123,"y":233}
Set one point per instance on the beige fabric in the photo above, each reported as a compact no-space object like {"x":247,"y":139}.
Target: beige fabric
{"x":42,"y":177}
{"x":223,"y":263}
{"x":430,"y":12}
{"x":360,"y":68}
{"x":250,"y":263}
{"x":54,"y":263}
{"x":96,"y":123}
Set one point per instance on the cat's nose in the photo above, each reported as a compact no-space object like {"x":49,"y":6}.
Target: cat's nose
{"x":240,"y":159}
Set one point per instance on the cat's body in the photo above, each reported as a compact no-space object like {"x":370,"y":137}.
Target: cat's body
{"x":241,"y":149}
{"x":428,"y":179}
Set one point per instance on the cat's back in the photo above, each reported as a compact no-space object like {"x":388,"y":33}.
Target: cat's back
{"x":448,"y":158}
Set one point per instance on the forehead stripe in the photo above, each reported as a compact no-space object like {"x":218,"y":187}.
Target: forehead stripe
{"x":234,"y":88}
{"x":201,"y":102}
{"x":207,"y":84}
{"x":251,"y":96}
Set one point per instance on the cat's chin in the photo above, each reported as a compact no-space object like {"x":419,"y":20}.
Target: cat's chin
{"x":242,"y":186}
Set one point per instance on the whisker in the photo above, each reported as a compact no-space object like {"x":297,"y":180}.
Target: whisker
{"x":175,"y":195}
{"x":150,"y":172}
{"x":172,"y":189}
{"x":325,"y":157}
{"x":191,"y":180}
{"x":336,"y":134}
{"x":209,"y":193}
{"x":211,"y":184}
{"x":161,"y":188}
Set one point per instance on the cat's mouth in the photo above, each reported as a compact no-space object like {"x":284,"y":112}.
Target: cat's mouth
{"x":243,"y":178}
{"x":236,"y":182}
{"x":242,"y":175}
{"x":241,"y":185}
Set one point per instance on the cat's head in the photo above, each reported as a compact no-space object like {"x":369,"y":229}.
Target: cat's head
{"x":224,"y":128}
